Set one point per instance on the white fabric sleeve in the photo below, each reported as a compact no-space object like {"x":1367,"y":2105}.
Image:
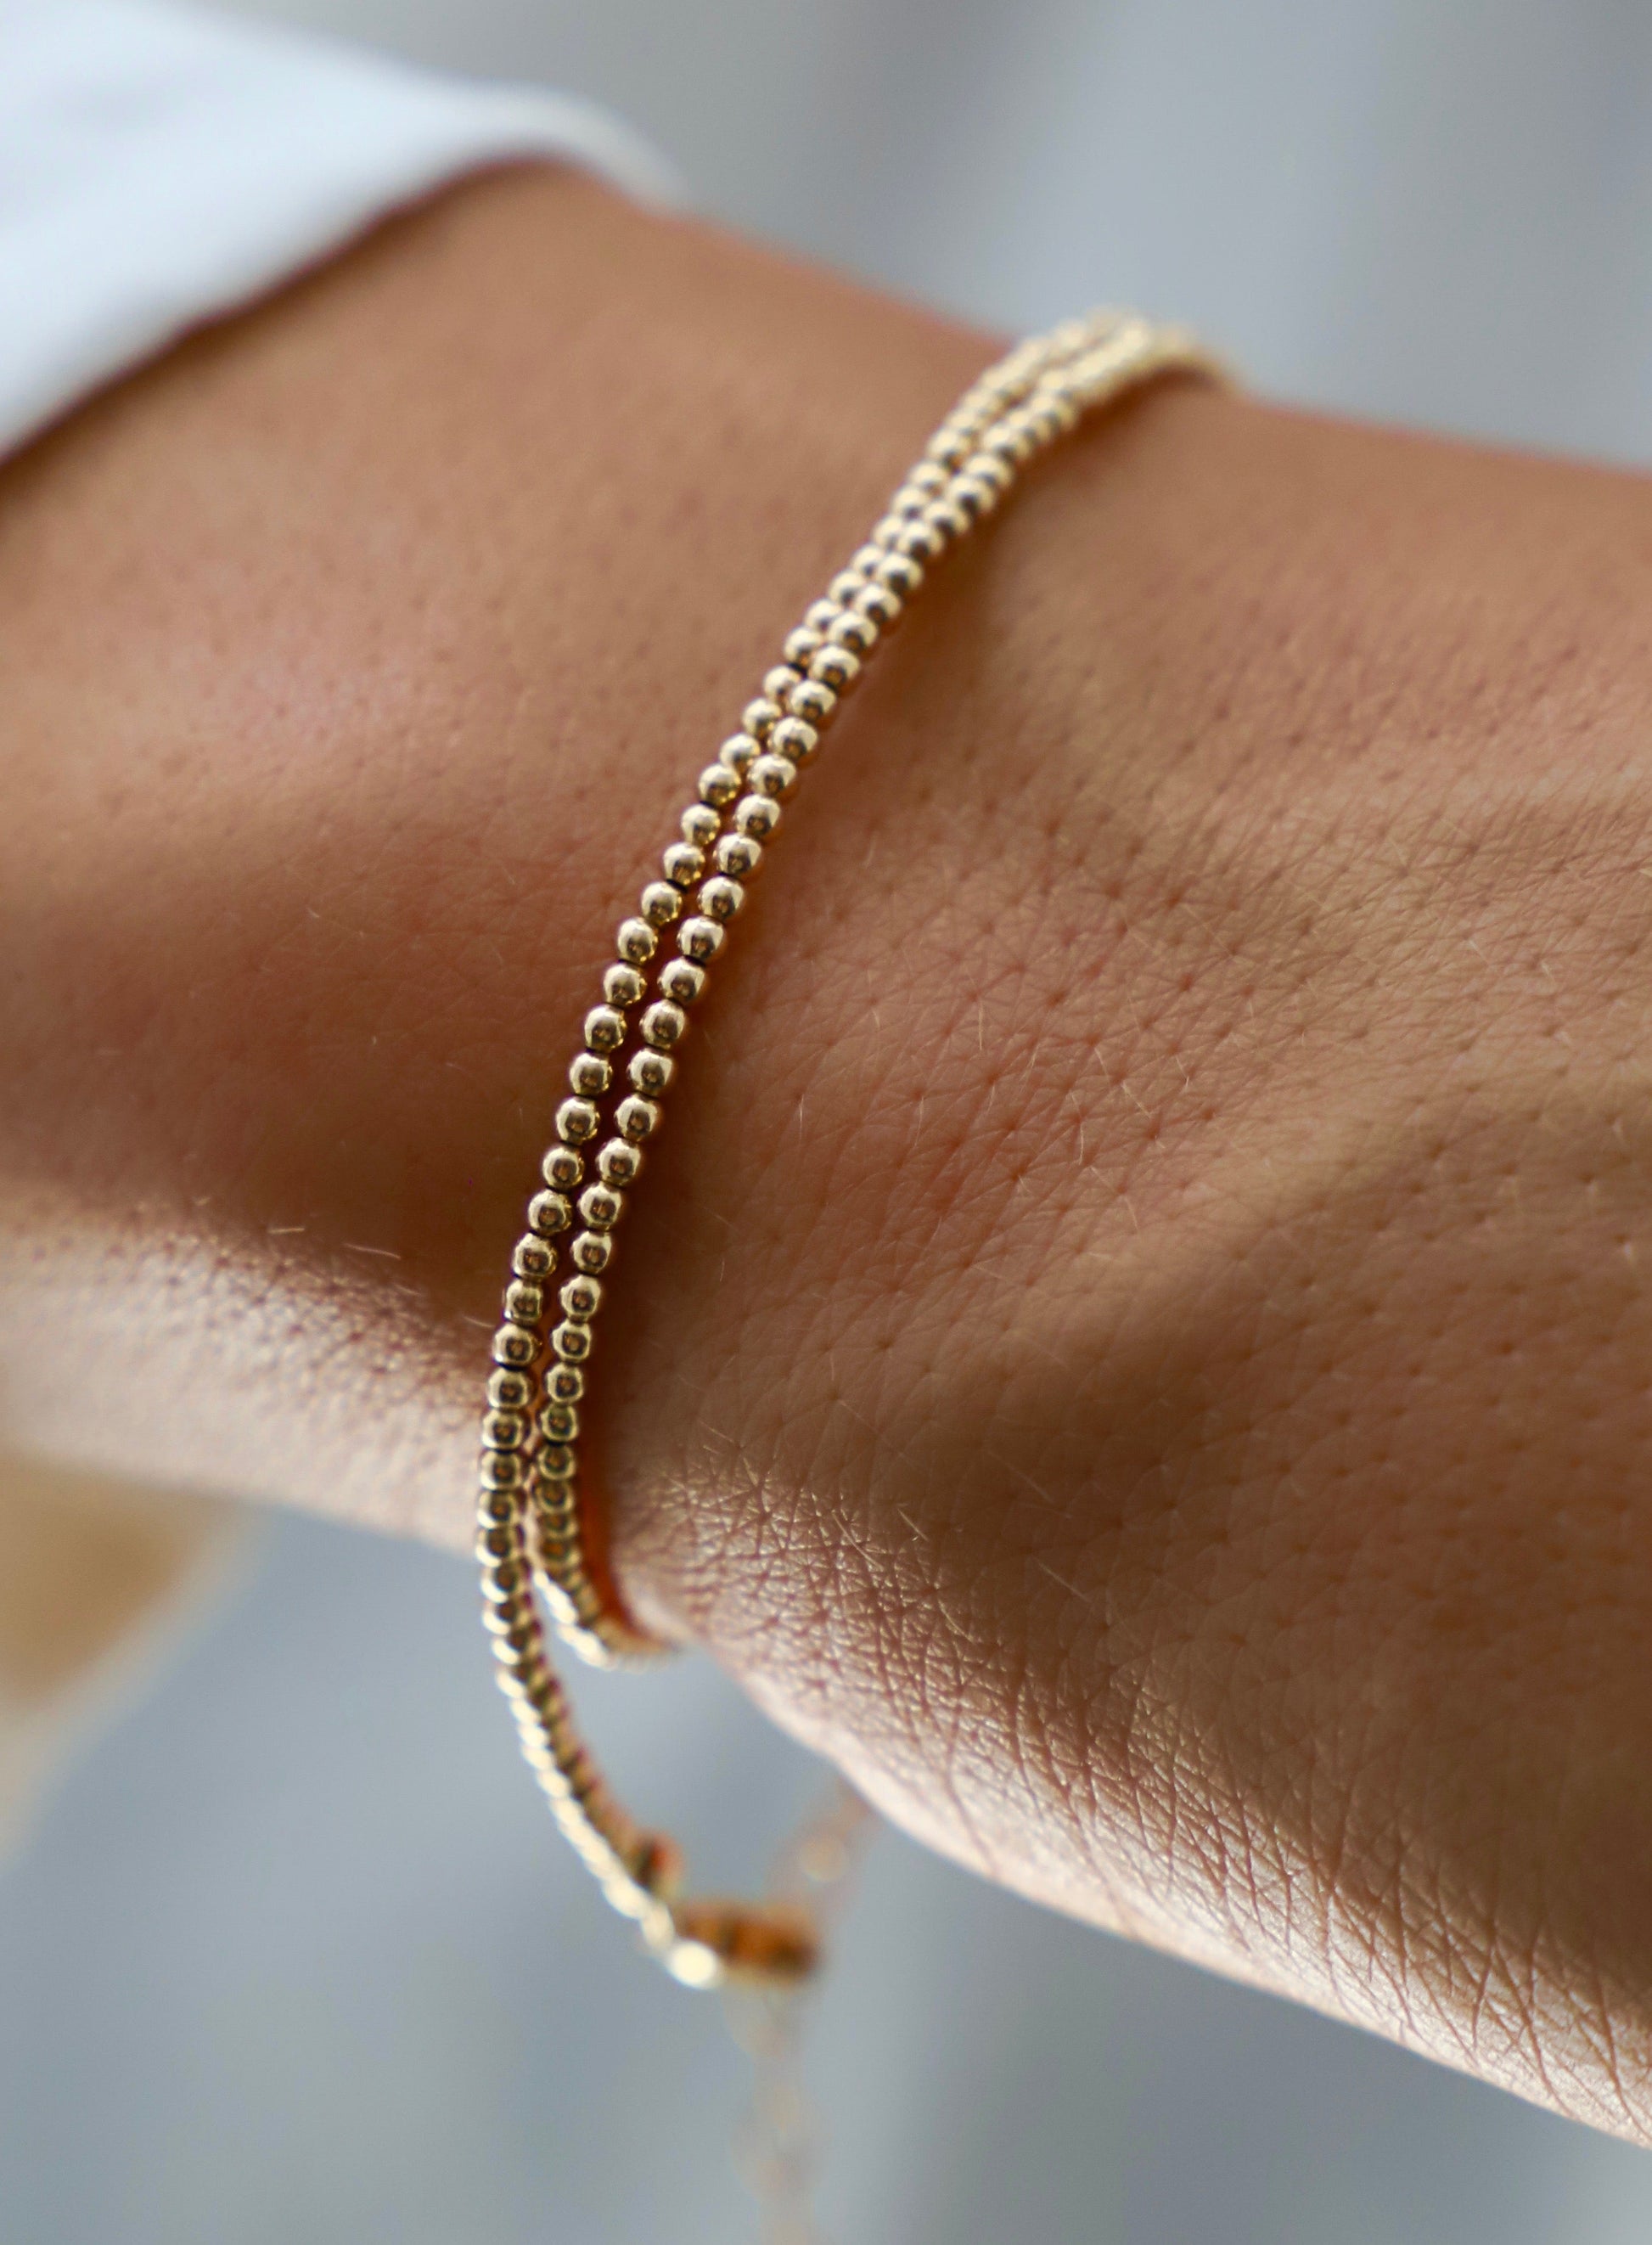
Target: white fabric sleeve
{"x":160,"y":164}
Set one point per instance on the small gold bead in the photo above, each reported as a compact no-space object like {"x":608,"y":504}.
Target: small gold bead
{"x":799,"y":646}
{"x":557,"y":1462}
{"x":548,"y":1212}
{"x":572,"y":1342}
{"x":619,"y":1163}
{"x":739,"y":857}
{"x":719,"y":784}
{"x":699,"y":938}
{"x":505,"y":1581}
{"x":854,"y":630}
{"x":604,"y":1027}
{"x":987,"y":468}
{"x":681,"y":981}
{"x":822,"y":614}
{"x":533,"y":1258}
{"x":581,"y":1297}
{"x":497,"y":1505}
{"x":774,"y":776}
{"x":525,"y":1301}
{"x":562,"y":1169}
{"x":847,"y":586}
{"x":973,"y":497}
{"x":700,"y":823}
{"x":738,"y":750}
{"x":919,"y":541}
{"x":758,"y":715}
{"x":588,"y":1074}
{"x":720,"y":899}
{"x":578,"y":1122}
{"x":590,"y":1251}
{"x":633,"y":1118}
{"x":495,"y":1543}
{"x":836,"y":667}
{"x":660,"y":904}
{"x":682,"y":863}
{"x":887,"y":530}
{"x":663,"y":1027}
{"x":505,"y":1430}
{"x":1009,"y":441}
{"x":622,"y":986}
{"x":601,"y":1207}
{"x":879,"y":604}
{"x":564,"y":1384}
{"x":650,"y":1074}
{"x":756,"y":817}
{"x":779,"y":681}
{"x":509,"y":1390}
{"x":947,"y":519}
{"x":559,"y":1422}
{"x":635,"y":941}
{"x":795,"y":739}
{"x":868,"y":559}
{"x":502,"y":1470}
{"x":901,"y":573}
{"x":813,"y":702}
{"x":514,"y":1344}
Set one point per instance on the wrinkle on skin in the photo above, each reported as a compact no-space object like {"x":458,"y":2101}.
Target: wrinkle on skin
{"x":1323,"y":1656}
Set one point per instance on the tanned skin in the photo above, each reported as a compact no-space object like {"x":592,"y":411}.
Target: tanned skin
{"x":1135,"y":1339}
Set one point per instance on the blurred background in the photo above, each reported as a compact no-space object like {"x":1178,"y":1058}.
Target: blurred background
{"x":293,"y":1953}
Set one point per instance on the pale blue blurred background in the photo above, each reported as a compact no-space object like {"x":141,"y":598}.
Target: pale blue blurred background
{"x":295,"y":1958}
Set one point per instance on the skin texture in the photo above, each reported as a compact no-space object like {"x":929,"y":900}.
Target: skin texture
{"x":1135,"y":1339}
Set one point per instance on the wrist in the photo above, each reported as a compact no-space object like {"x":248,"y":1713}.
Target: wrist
{"x":1148,"y":1257}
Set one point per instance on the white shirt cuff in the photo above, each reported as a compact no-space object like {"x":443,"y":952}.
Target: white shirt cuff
{"x":160,"y":165}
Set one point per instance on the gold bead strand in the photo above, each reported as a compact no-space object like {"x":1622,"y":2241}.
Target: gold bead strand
{"x":733,"y":829}
{"x":594,"y":1625}
{"x":935,"y":504}
{"x":638,"y":1871}
{"x":532,"y":1540}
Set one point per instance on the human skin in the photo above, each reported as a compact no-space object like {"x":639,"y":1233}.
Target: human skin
{"x":1135,"y":1339}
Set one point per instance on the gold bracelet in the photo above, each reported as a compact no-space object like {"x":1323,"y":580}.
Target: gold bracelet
{"x":535,"y":1546}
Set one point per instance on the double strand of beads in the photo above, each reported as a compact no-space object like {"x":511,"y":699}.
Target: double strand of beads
{"x":532,"y":1540}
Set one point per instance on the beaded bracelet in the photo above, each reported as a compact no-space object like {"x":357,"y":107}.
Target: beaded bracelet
{"x":535,"y":1546}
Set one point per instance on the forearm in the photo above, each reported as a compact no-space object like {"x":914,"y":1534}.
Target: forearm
{"x":1133,"y":1337}
{"x":356,"y":655}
